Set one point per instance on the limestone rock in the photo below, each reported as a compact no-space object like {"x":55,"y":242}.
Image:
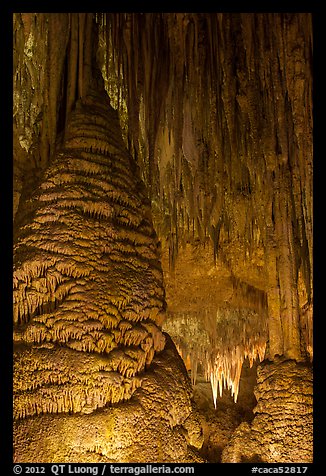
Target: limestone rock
{"x":158,"y":424}
{"x":282,"y":430}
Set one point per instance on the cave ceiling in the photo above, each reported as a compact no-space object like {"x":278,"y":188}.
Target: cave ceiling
{"x":216,"y":110}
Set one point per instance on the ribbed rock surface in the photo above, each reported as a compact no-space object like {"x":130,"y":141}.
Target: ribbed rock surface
{"x":157,"y":424}
{"x":282,"y":430}
{"x":88,"y":285}
{"x":217,"y":110}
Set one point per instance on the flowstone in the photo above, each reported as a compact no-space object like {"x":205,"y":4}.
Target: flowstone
{"x":282,"y":430}
{"x":158,"y":424}
{"x":89,"y":301}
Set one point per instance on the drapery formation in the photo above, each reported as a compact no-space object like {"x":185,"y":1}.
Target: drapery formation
{"x":220,"y":116}
{"x":217,"y":110}
{"x":94,"y":375}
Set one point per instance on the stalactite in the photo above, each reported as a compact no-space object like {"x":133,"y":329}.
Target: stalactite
{"x":81,"y":37}
{"x":218,"y":109}
{"x":188,"y":46}
{"x":282,"y":429}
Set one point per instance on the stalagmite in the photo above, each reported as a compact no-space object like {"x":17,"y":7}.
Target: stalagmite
{"x":57,"y":278}
{"x":220,"y":352}
{"x":216,"y":112}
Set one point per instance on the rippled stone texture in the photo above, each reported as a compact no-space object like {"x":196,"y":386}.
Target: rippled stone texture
{"x":87,"y":275}
{"x":88,"y":292}
{"x":217,"y":110}
{"x":161,"y":407}
{"x":282,"y":430}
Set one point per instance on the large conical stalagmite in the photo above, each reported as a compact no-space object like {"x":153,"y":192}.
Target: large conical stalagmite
{"x":88,"y":285}
{"x":216,"y":111}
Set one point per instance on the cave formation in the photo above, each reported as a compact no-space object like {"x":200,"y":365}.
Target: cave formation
{"x":163,"y":292}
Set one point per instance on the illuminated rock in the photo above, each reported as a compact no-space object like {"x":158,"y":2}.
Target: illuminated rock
{"x":158,"y":424}
{"x":282,"y":430}
{"x":88,"y":303}
{"x":216,"y":109}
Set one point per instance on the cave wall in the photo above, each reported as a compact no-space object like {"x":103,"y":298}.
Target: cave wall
{"x":221,"y":127}
{"x":282,"y":430}
{"x":216,"y":109}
